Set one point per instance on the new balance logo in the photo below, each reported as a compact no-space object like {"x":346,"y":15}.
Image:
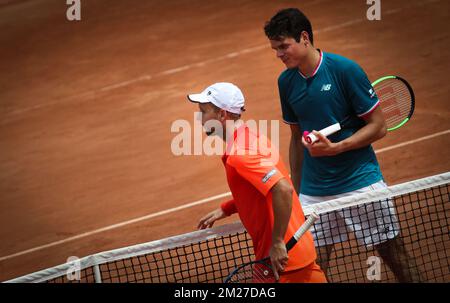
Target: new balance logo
{"x":325,"y":87}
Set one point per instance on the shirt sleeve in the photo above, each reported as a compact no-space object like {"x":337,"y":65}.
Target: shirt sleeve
{"x":288,"y":114}
{"x":258,"y":170}
{"x":360,"y":92}
{"x":229,"y":207}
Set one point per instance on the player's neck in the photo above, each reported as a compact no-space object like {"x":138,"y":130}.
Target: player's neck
{"x":230,"y":128}
{"x":311,"y":62}
{"x":231,"y":133}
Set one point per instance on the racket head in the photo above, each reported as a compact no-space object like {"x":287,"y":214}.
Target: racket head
{"x":397,"y":100}
{"x":259,"y":271}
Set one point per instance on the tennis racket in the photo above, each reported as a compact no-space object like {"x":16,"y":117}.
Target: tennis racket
{"x":260,"y":271}
{"x":396,"y":101}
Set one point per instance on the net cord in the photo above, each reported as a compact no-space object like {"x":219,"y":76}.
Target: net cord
{"x":202,"y":235}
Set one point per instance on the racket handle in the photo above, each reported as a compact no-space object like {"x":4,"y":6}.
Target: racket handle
{"x":311,"y":138}
{"x":304,"y":228}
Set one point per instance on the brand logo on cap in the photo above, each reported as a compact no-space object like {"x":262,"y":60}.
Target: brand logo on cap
{"x":208,"y":93}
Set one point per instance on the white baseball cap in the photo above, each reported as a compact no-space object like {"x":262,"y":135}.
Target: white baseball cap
{"x":224,"y":95}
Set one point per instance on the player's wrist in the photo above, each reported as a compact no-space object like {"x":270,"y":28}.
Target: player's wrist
{"x":228,"y":208}
{"x":278,"y":242}
{"x":342,"y":146}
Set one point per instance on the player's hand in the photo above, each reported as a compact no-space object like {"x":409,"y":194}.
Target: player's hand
{"x":322,"y":147}
{"x":278,"y":258}
{"x":209,"y":220}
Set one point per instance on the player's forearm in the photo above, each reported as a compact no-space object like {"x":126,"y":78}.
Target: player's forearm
{"x":229,"y":207}
{"x":374,"y":130}
{"x":295,"y":162}
{"x":363,"y":137}
{"x":282,"y":205}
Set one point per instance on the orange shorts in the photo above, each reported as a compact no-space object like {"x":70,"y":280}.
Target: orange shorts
{"x":309,"y":274}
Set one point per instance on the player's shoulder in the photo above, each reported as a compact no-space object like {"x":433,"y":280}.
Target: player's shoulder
{"x":339,"y":61}
{"x":247,"y":146}
{"x":342,"y":65}
{"x":246,"y":139}
{"x":286,"y":75}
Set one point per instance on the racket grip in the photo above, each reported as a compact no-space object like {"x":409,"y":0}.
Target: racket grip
{"x":304,"y":228}
{"x":311,"y":138}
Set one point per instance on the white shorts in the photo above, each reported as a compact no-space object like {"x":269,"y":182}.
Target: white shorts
{"x":372,"y":223}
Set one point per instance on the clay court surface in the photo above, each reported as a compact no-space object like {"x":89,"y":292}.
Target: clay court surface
{"x":87,"y":108}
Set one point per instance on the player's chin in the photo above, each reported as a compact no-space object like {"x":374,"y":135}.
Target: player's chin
{"x":214,"y":132}
{"x":289,"y":63}
{"x":211,"y":132}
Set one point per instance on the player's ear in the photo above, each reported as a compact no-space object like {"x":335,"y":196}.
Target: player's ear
{"x":305,"y":37}
{"x":223,"y":115}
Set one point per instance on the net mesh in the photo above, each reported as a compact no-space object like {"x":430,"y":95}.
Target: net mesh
{"x":205,"y":261}
{"x":416,"y":251}
{"x":403,"y":237}
{"x":85,"y":276}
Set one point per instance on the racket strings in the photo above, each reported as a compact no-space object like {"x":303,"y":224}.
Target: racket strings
{"x":253,"y":273}
{"x":263,"y":275}
{"x":395,"y":101}
{"x":243,"y":275}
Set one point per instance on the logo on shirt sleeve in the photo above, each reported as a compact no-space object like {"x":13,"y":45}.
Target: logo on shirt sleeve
{"x":268,"y":175}
{"x":372,"y":93}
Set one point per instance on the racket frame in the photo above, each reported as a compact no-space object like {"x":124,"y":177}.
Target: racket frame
{"x":311,"y":138}
{"x":289,"y":245}
{"x":413,"y":99}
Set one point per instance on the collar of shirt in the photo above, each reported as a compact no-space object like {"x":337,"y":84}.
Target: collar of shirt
{"x":316,"y":69}
{"x":237,"y":132}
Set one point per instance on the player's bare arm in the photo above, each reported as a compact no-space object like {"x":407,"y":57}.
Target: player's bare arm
{"x":296,"y":156}
{"x":374,"y":130}
{"x":208,"y":220}
{"x":282,"y":206}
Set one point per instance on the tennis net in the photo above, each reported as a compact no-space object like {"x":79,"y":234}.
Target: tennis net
{"x":400,"y":233}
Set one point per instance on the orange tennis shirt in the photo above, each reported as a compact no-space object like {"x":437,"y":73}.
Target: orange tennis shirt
{"x":251,"y":173}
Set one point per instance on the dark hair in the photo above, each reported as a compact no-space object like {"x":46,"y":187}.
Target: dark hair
{"x":289,"y":22}
{"x":232,"y":115}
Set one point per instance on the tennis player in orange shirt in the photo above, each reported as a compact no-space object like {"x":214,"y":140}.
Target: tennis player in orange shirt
{"x":263,"y":194}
